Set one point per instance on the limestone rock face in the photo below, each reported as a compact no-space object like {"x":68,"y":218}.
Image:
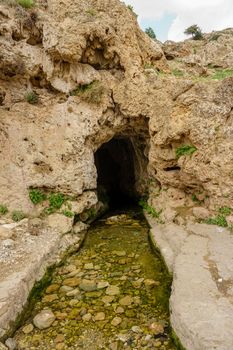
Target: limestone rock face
{"x":95,"y":75}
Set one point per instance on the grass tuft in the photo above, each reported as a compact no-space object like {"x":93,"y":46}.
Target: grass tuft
{"x":3,"y":209}
{"x":37,"y":196}
{"x":26,"y":3}
{"x":185,"y":150}
{"x":17,"y":215}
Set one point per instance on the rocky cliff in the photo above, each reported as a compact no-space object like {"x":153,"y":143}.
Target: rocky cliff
{"x":75,"y":75}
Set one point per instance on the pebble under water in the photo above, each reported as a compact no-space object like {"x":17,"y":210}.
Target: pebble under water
{"x":112,"y":294}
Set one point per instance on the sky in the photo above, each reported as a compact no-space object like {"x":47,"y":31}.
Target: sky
{"x":169,"y":18}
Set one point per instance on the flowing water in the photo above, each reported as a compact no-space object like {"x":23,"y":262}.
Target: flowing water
{"x":112,"y":294}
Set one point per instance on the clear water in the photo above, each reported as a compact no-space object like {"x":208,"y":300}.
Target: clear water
{"x":135,"y":317}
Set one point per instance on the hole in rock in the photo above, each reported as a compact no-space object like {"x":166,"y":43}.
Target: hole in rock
{"x":115,"y":162}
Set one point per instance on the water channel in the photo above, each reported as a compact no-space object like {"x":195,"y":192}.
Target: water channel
{"x":112,"y":294}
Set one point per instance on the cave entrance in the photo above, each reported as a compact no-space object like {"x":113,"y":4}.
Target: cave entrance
{"x":115,"y":163}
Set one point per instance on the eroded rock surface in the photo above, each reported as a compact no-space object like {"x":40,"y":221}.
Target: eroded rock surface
{"x":202,"y":295}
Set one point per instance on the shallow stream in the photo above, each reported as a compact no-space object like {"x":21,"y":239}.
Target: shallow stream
{"x":112,"y":294}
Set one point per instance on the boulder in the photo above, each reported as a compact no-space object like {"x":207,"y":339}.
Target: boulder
{"x":44,"y":319}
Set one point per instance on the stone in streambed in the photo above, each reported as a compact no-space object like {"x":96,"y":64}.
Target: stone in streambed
{"x":52,"y":288}
{"x":102,"y":284}
{"x":116,"y":321}
{"x":44,"y":319}
{"x":126,"y":301}
{"x":100,"y":316}
{"x":112,"y":290}
{"x":71,"y":282}
{"x":28,"y":328}
{"x":88,"y":285}
{"x":49,"y":298}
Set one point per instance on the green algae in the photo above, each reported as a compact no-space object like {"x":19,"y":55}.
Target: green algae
{"x":121,"y":254}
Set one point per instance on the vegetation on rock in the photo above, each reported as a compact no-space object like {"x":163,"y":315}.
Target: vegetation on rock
{"x":150,"y":32}
{"x":17,"y":215}
{"x":37,"y":196}
{"x":31,"y":97}
{"x":91,"y":93}
{"x":26,"y":3}
{"x":195,"y":31}
{"x":3,"y":209}
{"x":185,"y":150}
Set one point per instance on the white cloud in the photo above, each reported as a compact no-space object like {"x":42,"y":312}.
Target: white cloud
{"x":208,"y":14}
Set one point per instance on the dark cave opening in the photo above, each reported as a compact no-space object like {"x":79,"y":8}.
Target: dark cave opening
{"x":115,"y":166}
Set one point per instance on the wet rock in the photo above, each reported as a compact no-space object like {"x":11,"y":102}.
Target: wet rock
{"x":87,"y":317}
{"x":151,"y":283}
{"x":52,"y":288}
{"x":126,"y":301}
{"x":102,"y":284}
{"x":119,"y":310}
{"x":49,"y":298}
{"x":71,"y":282}
{"x":107,"y":299}
{"x":156,"y":328}
{"x":113,"y":290}
{"x":100,"y":316}
{"x":88,"y":285}
{"x":65,"y":289}
{"x":136,"y":329}
{"x":73,"y":292}
{"x":130,"y":313}
{"x":11,"y":344}
{"x":116,"y":321}
{"x":44,"y":319}
{"x":59,"y":338}
{"x":94,"y":294}
{"x":28,"y":328}
{"x":60,"y":315}
{"x":89,"y":266}
{"x":119,"y":253}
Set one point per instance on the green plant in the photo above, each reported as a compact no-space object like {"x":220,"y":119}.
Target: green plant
{"x":185,"y":150}
{"x":91,"y":12}
{"x":214,"y":37}
{"x":68,"y":213}
{"x":222,"y":74}
{"x":26,"y":3}
{"x":177,"y":73}
{"x":56,"y":200}
{"x":91,"y":93}
{"x":195,"y":199}
{"x":3,"y":209}
{"x":195,"y":31}
{"x":225,"y":211}
{"x":150,"y":210}
{"x":37,"y":196}
{"x":219,"y":220}
{"x":17,"y":215}
{"x":130,"y":7}
{"x":150,"y":32}
{"x":31,"y":97}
